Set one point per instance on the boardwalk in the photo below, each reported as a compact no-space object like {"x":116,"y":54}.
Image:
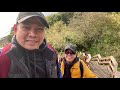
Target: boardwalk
{"x":117,"y":74}
{"x":104,"y":67}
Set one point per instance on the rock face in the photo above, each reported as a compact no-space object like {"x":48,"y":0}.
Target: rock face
{"x":104,"y":67}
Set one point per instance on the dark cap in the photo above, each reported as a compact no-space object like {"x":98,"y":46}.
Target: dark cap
{"x":22,"y":16}
{"x":71,"y":47}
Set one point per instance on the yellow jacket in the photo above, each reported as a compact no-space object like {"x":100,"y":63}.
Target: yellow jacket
{"x":75,"y":70}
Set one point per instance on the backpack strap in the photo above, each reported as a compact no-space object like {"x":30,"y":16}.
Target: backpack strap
{"x":81,"y":68}
{"x":59,"y":71}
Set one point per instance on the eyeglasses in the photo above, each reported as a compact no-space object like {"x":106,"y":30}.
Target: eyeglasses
{"x":71,"y":53}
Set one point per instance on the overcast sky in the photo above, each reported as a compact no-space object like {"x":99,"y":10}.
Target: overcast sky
{"x":8,"y":19}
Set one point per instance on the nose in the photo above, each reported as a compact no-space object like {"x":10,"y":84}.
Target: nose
{"x":32,"y":33}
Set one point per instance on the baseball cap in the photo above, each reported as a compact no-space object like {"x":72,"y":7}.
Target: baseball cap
{"x":22,"y":16}
{"x":71,"y":47}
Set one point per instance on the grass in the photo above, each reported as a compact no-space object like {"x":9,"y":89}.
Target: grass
{"x":118,"y":68}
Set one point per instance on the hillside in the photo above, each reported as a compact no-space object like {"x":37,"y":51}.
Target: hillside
{"x":4,"y":41}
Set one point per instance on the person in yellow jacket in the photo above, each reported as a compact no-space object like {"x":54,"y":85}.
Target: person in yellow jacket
{"x":70,"y":64}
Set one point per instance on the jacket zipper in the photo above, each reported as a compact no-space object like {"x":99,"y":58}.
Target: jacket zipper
{"x":26,"y":69}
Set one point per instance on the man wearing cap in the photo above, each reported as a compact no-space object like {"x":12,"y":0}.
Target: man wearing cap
{"x":29,"y":56}
{"x":72,"y":66}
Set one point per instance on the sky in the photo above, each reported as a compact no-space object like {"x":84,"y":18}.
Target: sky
{"x":8,"y":19}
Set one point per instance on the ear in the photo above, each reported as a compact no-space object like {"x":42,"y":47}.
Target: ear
{"x":15,"y":29}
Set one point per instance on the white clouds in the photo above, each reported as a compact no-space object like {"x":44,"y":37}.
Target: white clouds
{"x":48,"y":13}
{"x":7,"y":20}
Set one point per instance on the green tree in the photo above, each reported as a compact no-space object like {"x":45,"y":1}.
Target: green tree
{"x":61,"y":16}
{"x":9,"y":37}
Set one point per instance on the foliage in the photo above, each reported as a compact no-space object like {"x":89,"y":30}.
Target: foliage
{"x":56,"y":34}
{"x":61,"y":16}
{"x":9,"y":37}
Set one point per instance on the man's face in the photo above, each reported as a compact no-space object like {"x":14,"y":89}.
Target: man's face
{"x":30,"y":33}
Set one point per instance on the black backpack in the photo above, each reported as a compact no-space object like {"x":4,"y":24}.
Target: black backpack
{"x":81,"y":68}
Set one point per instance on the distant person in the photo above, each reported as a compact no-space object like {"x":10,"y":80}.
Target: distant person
{"x":72,"y":66}
{"x":86,"y":57}
{"x":29,"y":55}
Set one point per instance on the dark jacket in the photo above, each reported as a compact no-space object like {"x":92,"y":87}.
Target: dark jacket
{"x":41,"y":63}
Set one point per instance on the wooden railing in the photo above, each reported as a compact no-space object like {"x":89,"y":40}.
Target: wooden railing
{"x":104,"y":67}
